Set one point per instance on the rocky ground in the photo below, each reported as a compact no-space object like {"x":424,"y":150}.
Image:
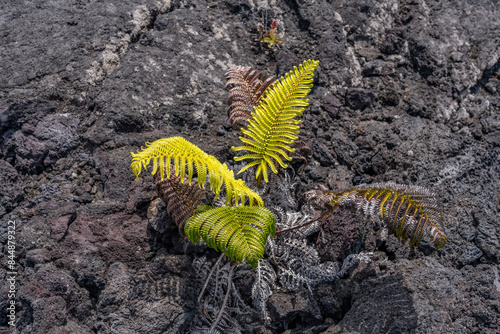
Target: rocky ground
{"x":406,"y":91}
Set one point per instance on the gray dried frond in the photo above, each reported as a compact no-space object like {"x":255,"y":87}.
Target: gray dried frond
{"x":201,"y":266}
{"x":212,"y":300}
{"x":265,"y":281}
{"x":284,"y":189}
{"x":204,"y":331}
{"x":297,"y":274}
{"x":284,"y":250}
{"x":299,"y":265}
{"x":290,"y":219}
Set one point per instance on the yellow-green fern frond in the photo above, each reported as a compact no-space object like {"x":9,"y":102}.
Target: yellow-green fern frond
{"x":410,"y":212}
{"x":274,"y":126}
{"x":187,"y":155}
{"x":240,"y":232}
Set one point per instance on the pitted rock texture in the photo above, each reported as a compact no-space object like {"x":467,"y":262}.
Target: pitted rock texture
{"x":406,"y":91}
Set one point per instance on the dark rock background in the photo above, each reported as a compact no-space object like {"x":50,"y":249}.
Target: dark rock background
{"x":406,"y":91}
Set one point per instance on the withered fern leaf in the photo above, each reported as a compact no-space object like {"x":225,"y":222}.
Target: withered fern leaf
{"x":246,"y":87}
{"x":262,"y":289}
{"x":302,"y":151}
{"x":240,"y":232}
{"x":409,"y":212}
{"x":180,"y":197}
{"x":187,"y":155}
{"x":274,"y":127}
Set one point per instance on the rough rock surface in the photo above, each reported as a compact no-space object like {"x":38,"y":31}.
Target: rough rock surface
{"x":406,"y":91}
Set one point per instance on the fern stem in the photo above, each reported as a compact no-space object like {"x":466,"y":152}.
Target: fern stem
{"x":208,"y":278}
{"x":226,"y":297}
{"x":259,"y":178}
{"x":305,"y":224}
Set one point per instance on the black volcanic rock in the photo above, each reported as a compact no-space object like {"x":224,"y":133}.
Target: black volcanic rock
{"x":404,"y":92}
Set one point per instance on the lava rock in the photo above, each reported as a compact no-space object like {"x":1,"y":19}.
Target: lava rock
{"x":359,"y":98}
{"x":405,"y":92}
{"x":12,"y":193}
{"x":379,"y":67}
{"x":162,"y":294}
{"x":299,"y":308}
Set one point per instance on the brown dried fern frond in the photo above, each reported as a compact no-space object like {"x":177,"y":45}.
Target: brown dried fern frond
{"x":302,"y":151}
{"x":181,"y":198}
{"x":246,"y":87}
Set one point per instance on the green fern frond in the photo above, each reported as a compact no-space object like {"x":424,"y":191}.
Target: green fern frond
{"x":240,"y":232}
{"x":410,"y":212}
{"x":273,"y":127}
{"x":185,"y":154}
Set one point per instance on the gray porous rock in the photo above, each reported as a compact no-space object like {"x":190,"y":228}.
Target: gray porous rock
{"x":406,"y":91}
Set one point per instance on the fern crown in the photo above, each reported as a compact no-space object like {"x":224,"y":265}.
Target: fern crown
{"x":273,"y":127}
{"x":186,"y":154}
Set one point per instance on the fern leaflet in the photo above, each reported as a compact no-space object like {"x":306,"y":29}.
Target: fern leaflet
{"x":273,"y":127}
{"x":186,"y":154}
{"x":240,"y":232}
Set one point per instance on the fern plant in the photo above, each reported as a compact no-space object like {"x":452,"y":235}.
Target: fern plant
{"x":242,"y":227}
{"x":241,"y":232}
